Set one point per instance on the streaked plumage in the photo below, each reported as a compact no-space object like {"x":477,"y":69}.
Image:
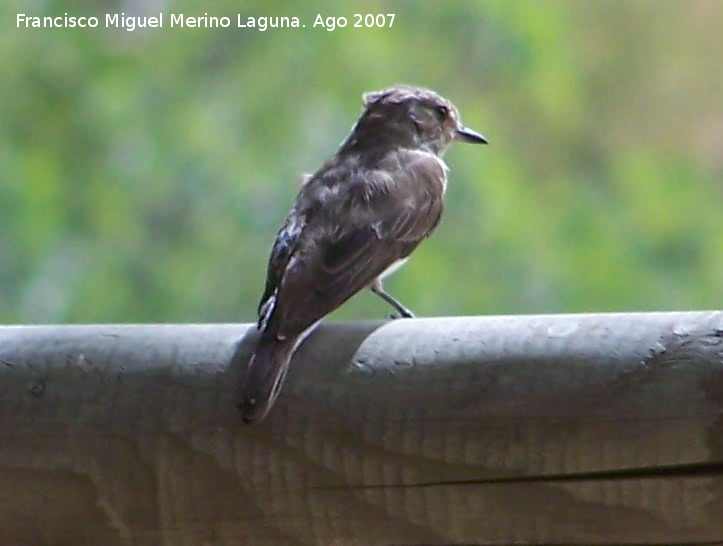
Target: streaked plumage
{"x":365,"y":209}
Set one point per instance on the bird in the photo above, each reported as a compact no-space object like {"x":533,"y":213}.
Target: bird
{"x":354,"y":221}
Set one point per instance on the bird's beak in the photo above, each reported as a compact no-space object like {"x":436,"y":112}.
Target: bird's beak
{"x":463,"y":134}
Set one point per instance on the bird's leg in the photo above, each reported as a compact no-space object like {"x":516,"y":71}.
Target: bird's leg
{"x":391,"y":300}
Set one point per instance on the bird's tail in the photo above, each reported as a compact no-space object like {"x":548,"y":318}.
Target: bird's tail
{"x":264,"y":376}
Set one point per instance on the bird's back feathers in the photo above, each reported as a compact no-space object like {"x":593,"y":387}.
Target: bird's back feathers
{"x":388,"y":212}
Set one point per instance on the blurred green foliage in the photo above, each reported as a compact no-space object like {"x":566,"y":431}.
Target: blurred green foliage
{"x":145,"y":173}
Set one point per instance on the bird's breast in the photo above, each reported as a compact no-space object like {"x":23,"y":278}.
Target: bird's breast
{"x":445,"y":168}
{"x":392,"y":268}
{"x":440,"y":181}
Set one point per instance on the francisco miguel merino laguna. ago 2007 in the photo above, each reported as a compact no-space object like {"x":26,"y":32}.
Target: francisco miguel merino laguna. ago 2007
{"x":356,"y":219}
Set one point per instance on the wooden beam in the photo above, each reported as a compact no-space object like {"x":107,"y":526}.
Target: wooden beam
{"x":567,"y":429}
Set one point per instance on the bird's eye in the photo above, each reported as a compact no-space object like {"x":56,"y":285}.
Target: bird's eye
{"x":443,"y":111}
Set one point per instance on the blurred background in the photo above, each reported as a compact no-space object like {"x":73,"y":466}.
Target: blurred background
{"x":144,"y":174}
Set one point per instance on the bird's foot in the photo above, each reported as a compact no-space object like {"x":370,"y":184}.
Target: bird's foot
{"x":396,"y":304}
{"x":406,"y":313}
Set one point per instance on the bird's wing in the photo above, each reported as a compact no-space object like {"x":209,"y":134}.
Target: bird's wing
{"x":281,"y":251}
{"x":387,"y":214}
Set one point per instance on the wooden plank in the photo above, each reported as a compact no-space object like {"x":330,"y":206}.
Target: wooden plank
{"x":567,"y":429}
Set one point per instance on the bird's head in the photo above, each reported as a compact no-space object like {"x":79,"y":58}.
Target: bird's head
{"x":411,"y":117}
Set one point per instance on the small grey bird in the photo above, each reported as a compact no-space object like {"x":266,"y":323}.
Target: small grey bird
{"x":355,"y":220}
